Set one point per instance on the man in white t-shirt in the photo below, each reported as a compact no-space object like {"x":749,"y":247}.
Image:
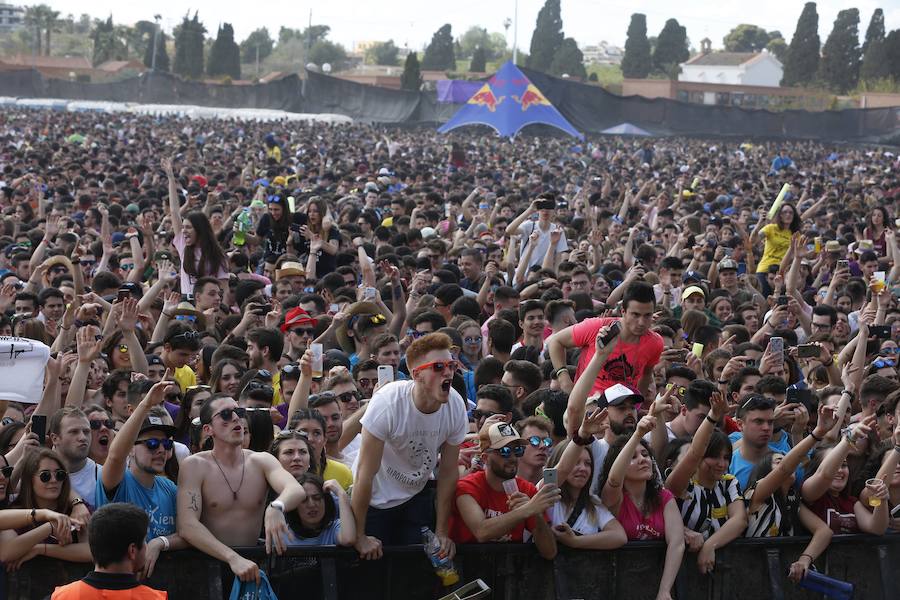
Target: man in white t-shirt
{"x":407,"y":427}
{"x":545,"y":207}
{"x":70,"y":435}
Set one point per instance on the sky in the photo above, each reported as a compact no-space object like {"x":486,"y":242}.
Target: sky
{"x":412,"y":22}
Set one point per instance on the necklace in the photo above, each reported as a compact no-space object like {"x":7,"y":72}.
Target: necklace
{"x":243,"y":464}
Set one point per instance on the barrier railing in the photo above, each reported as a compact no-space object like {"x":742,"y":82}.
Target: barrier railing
{"x":745,"y":569}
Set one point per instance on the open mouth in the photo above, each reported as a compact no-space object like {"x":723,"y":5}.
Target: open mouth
{"x":446,"y":385}
{"x":103,"y":441}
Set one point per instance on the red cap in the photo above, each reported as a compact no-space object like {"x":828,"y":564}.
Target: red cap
{"x":296,"y":317}
{"x":200,"y":179}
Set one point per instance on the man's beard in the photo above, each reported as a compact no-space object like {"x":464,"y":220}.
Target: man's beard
{"x":621,"y":428}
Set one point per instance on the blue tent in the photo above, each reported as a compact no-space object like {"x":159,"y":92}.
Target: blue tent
{"x":507,"y":103}
{"x":625,"y":129}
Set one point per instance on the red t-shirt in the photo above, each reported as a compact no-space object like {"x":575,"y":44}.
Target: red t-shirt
{"x":494,"y":505}
{"x":639,"y":526}
{"x":627,"y":363}
{"x":837,"y":512}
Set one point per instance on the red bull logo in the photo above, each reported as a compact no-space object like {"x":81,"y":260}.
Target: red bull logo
{"x":485,"y":97}
{"x":531,"y":97}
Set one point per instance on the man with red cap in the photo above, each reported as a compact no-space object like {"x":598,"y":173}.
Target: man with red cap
{"x":298,"y":331}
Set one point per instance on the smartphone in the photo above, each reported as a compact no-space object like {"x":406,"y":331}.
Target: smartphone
{"x":260,"y":309}
{"x":782,"y":301}
{"x":39,"y":426}
{"x":807,"y":351}
{"x":550,"y":476}
{"x":124,"y":292}
{"x":546,"y":205}
{"x":843,"y":264}
{"x":729,"y":252}
{"x":334,"y":309}
{"x":369,"y":293}
{"x":804,"y":397}
{"x":697,"y":350}
{"x":742,"y":268}
{"x":882,"y":332}
{"x":777,"y":346}
{"x":613,"y":332}
{"x":385,"y":375}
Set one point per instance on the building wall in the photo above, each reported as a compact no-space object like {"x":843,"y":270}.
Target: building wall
{"x":763,"y":72}
{"x":648,"y":88}
{"x":711,"y":74}
{"x":878,"y":100}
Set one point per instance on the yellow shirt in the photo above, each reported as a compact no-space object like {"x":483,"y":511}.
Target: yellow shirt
{"x":778,"y":241}
{"x":185,"y":377}
{"x":276,"y":388}
{"x":339,"y":472}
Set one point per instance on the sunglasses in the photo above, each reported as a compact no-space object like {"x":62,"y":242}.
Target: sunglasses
{"x":882,"y":363}
{"x":758,"y":402}
{"x":302,"y":331}
{"x":254,"y":385}
{"x":153,"y":444}
{"x":60,"y":475}
{"x":123,"y":348}
{"x":199,"y":387}
{"x":473,"y":340}
{"x":438,"y":366}
{"x":290,"y":368}
{"x":227,"y":414}
{"x":478,"y":414}
{"x":187,"y":336}
{"x":366,"y":382}
{"x":274,"y":199}
{"x":264,"y":374}
{"x":536,"y":441}
{"x":347,"y":397}
{"x":373,"y":319}
{"x":7,"y":471}
{"x":414,"y":334}
{"x":680,"y":390}
{"x":98,"y":424}
{"x":507,"y":451}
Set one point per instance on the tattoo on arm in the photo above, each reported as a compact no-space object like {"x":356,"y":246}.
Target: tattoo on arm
{"x":195,"y":501}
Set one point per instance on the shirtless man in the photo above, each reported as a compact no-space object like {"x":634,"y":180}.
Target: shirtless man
{"x":222,"y":492}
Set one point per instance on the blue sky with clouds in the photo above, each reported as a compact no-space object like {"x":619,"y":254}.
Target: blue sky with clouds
{"x":411,"y":22}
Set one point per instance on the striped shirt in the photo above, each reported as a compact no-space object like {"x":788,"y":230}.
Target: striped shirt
{"x":706,"y":510}
{"x":769,"y":520}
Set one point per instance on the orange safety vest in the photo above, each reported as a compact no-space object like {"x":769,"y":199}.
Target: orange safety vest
{"x":79,"y":590}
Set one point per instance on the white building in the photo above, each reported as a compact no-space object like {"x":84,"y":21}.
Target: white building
{"x":733,"y":68}
{"x":603,"y":53}
{"x":11,"y":16}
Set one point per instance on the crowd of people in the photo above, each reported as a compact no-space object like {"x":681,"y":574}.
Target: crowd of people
{"x":305,"y":334}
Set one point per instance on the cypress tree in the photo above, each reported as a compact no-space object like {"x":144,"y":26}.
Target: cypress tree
{"x":479,"y":62}
{"x":189,"y":48}
{"x":875,"y":63}
{"x":892,"y":53}
{"x":162,"y":57}
{"x":547,"y":38}
{"x":439,"y":55}
{"x":636,"y":63}
{"x":411,"y":79}
{"x":671,"y":48}
{"x":569,"y":60}
{"x":840,"y":55}
{"x":225,"y":55}
{"x":802,"y":60}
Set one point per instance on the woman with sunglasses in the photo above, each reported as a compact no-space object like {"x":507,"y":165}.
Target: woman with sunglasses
{"x":191,"y":402}
{"x":471,"y":343}
{"x":273,"y":229}
{"x":579,"y":519}
{"x":44,"y":486}
{"x":318,"y":520}
{"x":294,"y":452}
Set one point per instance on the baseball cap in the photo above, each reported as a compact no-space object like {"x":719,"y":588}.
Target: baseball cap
{"x":154,"y":359}
{"x":727,"y":263}
{"x":618,"y":394}
{"x":497,"y":435}
{"x":690,"y":290}
{"x":296,"y":317}
{"x":154,"y":423}
{"x":692,"y":276}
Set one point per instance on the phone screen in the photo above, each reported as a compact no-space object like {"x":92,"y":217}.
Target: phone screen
{"x":39,"y":426}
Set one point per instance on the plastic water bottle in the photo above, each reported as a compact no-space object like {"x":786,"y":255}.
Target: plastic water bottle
{"x":242,"y":227}
{"x":831,"y":587}
{"x":442,"y":566}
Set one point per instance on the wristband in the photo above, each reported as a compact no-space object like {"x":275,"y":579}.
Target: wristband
{"x":807,"y":556}
{"x":830,"y":361}
{"x":723,"y":382}
{"x":168,"y":315}
{"x":165,"y":542}
{"x":711,"y":420}
{"x":813,"y":435}
{"x":897,"y":448}
{"x":582,"y":441}
{"x":34,"y":517}
{"x":849,"y":393}
{"x":561,"y":370}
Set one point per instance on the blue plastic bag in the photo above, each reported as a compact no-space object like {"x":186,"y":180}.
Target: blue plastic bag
{"x":241,"y":590}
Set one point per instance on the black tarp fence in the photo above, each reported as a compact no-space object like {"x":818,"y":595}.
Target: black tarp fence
{"x":591,"y":109}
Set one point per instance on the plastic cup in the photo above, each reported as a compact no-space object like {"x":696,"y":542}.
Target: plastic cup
{"x":873,"y":501}
{"x":317,"y":359}
{"x":510,"y":486}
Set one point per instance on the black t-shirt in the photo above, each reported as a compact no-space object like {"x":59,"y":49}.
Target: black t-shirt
{"x":326,"y":263}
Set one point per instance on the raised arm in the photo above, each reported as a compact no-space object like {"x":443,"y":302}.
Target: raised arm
{"x":612,"y":488}
{"x":680,"y":477}
{"x":816,"y":485}
{"x":174,"y":202}
{"x":300,"y":397}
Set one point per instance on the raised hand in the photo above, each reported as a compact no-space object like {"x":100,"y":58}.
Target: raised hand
{"x":127,"y":314}
{"x":88,"y":344}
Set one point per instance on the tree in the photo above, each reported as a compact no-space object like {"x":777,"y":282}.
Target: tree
{"x":778,"y":47}
{"x":225,"y":55}
{"x":257,"y":39}
{"x":383,"y":53}
{"x":547,"y":37}
{"x":636,"y":63}
{"x":51,"y":23}
{"x":439,"y":54}
{"x":569,"y":61}
{"x":475,"y":37}
{"x":875,"y":63}
{"x":746,"y":38}
{"x":479,"y":63}
{"x":802,"y":59}
{"x":189,"y":38}
{"x":327,"y":52}
{"x":671,"y":49}
{"x":107,"y":44}
{"x":840,"y":55}
{"x":162,"y":57}
{"x":892,"y":53}
{"x":34,"y":19}
{"x":411,"y":79}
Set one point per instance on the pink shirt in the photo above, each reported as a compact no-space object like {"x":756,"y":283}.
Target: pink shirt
{"x":188,"y":281}
{"x":644,"y":527}
{"x":627,"y":363}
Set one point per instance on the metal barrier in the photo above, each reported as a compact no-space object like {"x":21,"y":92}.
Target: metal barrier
{"x":745,"y":569}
